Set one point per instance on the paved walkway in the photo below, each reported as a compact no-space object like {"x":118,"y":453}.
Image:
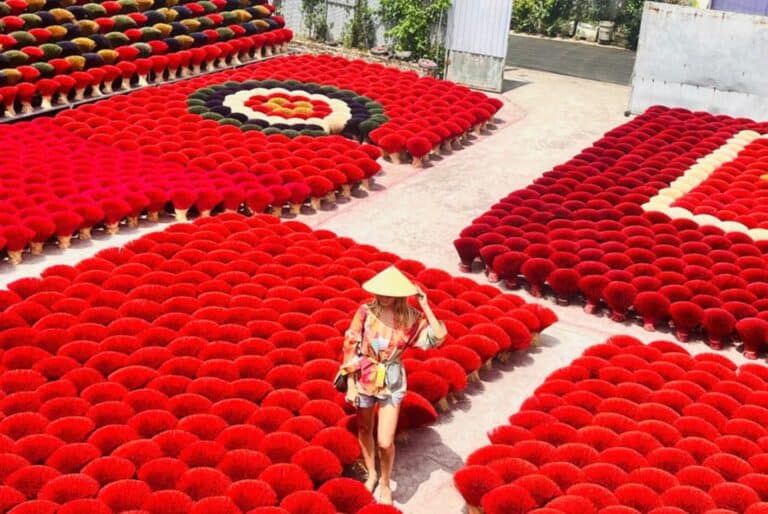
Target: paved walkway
{"x":418,"y":213}
{"x":577,"y":59}
{"x":547,"y":119}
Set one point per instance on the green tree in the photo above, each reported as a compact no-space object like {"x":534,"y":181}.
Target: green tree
{"x":315,"y":18}
{"x":412,"y":23}
{"x":541,"y":16}
{"x":629,"y":17}
{"x":360,"y":31}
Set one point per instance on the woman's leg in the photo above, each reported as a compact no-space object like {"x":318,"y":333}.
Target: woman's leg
{"x":365,"y":435}
{"x":388,"y":414}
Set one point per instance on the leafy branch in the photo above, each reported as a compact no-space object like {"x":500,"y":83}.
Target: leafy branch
{"x":411,"y":23}
{"x":360,"y":30}
{"x":315,"y":18}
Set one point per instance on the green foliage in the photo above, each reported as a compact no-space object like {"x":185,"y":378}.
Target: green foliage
{"x":597,"y":10}
{"x":526,"y":15}
{"x":360,"y":30}
{"x":412,"y":23}
{"x":630,"y":15}
{"x":315,"y":18}
{"x":541,"y":16}
{"x":629,"y":18}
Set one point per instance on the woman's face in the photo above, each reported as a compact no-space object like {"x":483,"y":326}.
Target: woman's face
{"x":386,"y":301}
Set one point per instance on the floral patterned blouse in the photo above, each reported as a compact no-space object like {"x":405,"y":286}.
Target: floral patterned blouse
{"x":369,"y":341}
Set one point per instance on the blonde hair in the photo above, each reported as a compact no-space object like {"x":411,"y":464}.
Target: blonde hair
{"x":404,"y":314}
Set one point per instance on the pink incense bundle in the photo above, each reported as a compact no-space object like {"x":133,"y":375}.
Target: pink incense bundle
{"x":619,"y":297}
{"x":653,"y":307}
{"x":183,"y":200}
{"x":67,"y":223}
{"x":47,"y":88}
{"x":754,"y":333}
{"x":8,"y":96}
{"x":419,"y":148}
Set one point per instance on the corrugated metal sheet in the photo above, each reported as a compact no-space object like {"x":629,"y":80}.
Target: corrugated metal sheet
{"x":701,"y":60}
{"x":479,"y":27}
{"x":477,"y":38}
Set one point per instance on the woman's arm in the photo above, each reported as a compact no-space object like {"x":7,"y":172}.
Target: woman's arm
{"x":352,"y":340}
{"x":437,"y":326}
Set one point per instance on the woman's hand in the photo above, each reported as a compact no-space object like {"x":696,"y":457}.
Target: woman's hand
{"x":351,"y":396}
{"x":421,"y":297}
{"x":438,"y":327}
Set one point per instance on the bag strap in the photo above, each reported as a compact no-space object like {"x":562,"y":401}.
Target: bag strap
{"x":363,"y":316}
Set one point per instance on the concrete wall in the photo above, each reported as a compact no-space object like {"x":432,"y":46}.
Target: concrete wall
{"x":294,"y":19}
{"x":701,"y":60}
{"x":474,"y":70}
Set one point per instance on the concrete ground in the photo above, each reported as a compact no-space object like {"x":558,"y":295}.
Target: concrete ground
{"x":578,"y":59}
{"x":418,"y":213}
{"x":546,"y":120}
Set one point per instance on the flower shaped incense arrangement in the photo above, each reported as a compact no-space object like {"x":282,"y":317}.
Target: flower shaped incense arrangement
{"x":190,"y":371}
{"x":663,"y":220}
{"x":282,"y":136}
{"x":629,"y":428}
{"x":112,"y":46}
{"x":290,"y":108}
{"x":400,"y":112}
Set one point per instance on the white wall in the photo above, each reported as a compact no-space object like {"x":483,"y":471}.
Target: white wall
{"x":701,"y":60}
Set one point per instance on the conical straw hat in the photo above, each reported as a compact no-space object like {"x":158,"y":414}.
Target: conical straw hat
{"x":390,"y":282}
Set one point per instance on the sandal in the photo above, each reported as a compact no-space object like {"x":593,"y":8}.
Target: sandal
{"x":370,"y":485}
{"x":385,"y":498}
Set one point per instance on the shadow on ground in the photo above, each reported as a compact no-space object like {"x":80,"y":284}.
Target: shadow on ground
{"x":509,"y":85}
{"x":422,"y":455}
{"x":424,"y":452}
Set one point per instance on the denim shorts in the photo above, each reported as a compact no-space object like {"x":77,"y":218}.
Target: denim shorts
{"x":365,"y":401}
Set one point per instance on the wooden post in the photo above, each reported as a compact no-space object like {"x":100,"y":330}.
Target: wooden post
{"x":36,"y":247}
{"x":14,"y":256}
{"x":65,"y":241}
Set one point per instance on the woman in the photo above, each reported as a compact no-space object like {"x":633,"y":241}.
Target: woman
{"x":379,"y":333}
